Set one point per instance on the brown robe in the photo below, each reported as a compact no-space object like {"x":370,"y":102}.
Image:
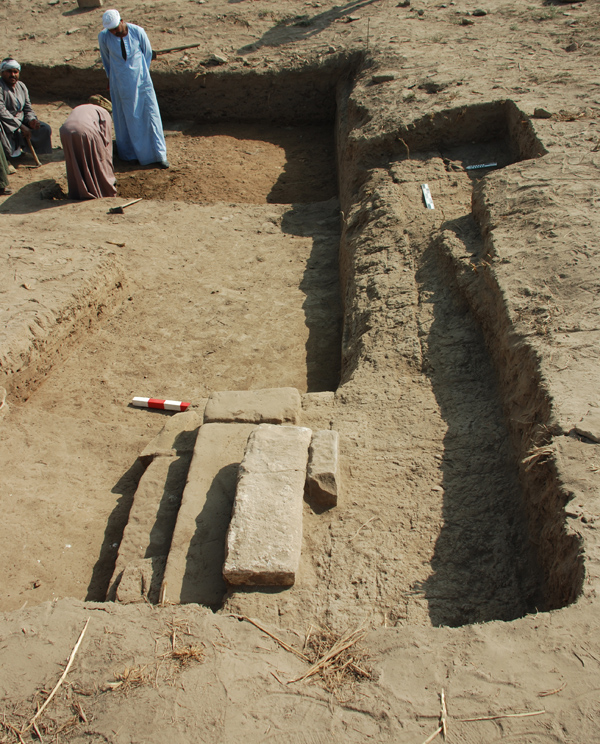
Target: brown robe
{"x":86,"y":138}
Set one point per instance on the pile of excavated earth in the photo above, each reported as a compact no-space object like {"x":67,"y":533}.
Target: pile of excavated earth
{"x":368,"y":286}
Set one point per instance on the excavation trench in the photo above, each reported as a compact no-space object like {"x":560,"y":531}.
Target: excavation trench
{"x":232,"y":282}
{"x":503,"y":547}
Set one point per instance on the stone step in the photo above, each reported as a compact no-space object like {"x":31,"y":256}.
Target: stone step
{"x":141,"y":580}
{"x":197,"y":550}
{"x":147,"y":534}
{"x":270,"y":405}
{"x":323,"y":472}
{"x":264,"y":539}
{"x":178,"y":435}
{"x":194,"y":566}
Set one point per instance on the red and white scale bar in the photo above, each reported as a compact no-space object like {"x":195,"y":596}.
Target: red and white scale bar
{"x":162,"y":405}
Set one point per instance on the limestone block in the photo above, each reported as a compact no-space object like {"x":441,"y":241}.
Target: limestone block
{"x":141,"y":580}
{"x":271,"y":406}
{"x":318,"y":409}
{"x":589,"y":426}
{"x":264,"y":539}
{"x":177,"y":435}
{"x":322,"y":474}
{"x":195,"y":562}
{"x":384,"y":77}
{"x":153,"y":514}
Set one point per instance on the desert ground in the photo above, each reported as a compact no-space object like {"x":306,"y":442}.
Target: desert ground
{"x":451,"y":594}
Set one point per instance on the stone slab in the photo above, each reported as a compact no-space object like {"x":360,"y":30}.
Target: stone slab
{"x":323,"y":473}
{"x":318,"y":410}
{"x":589,"y":426}
{"x":194,"y":566}
{"x":141,"y":580}
{"x":264,"y":539}
{"x":271,"y":406}
{"x":153,"y":514}
{"x":178,"y":435}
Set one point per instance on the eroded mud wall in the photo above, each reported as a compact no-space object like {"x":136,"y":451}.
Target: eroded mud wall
{"x":295,"y":95}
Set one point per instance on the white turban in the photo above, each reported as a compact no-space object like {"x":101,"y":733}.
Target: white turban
{"x":111,"y":19}
{"x":9,"y":64}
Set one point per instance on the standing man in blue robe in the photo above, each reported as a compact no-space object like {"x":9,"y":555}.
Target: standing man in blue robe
{"x":126,"y":54}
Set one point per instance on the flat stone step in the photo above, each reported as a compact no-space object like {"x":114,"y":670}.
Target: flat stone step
{"x":264,"y":539}
{"x":177,"y":435}
{"x":270,"y":405}
{"x":141,"y":580}
{"x":323,"y":472}
{"x":194,"y":566}
{"x":153,"y":513}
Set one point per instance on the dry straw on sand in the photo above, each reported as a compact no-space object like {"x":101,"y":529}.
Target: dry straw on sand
{"x":128,"y":679}
{"x":59,"y":721}
{"x":337,"y":660}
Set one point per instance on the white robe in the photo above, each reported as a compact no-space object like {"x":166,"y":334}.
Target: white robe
{"x":138,"y":126}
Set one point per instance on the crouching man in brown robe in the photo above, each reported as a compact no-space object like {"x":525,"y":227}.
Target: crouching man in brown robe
{"x":86,"y":138}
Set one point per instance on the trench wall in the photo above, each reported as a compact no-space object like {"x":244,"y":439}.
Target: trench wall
{"x":526,"y":400}
{"x":41,"y":334}
{"x":528,"y":407}
{"x":301,"y":95}
{"x":292,"y":96}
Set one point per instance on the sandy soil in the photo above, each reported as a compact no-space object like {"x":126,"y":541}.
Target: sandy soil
{"x":461,"y":343}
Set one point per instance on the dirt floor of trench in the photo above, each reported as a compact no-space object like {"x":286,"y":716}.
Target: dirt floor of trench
{"x":241,"y":163}
{"x":216,"y":297}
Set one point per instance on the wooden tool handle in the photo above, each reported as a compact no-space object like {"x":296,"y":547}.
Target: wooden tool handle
{"x":175,"y":49}
{"x":135,"y":201}
{"x":30,"y":146}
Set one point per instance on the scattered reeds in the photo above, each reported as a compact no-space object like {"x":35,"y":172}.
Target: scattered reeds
{"x":128,"y":679}
{"x":184,"y":655}
{"x":337,"y":659}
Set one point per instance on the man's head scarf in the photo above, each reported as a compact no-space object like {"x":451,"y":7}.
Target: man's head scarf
{"x":9,"y":64}
{"x":111,"y":19}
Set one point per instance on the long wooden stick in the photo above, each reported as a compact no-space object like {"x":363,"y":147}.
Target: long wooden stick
{"x":176,"y":49}
{"x":135,"y":201}
{"x":30,"y":146}
{"x":64,"y":674}
{"x":432,"y":737}
{"x":444,"y":714}
{"x":283,"y":644}
{"x":504,"y":715}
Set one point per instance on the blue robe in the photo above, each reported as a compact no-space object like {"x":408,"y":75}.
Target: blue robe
{"x":138,"y":126}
